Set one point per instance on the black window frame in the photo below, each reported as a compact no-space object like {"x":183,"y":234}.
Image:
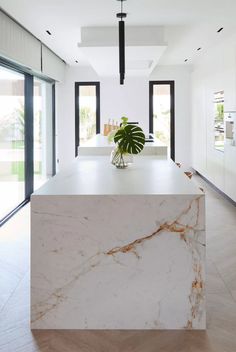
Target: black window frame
{"x":29,"y":130}
{"x":171,"y":83}
{"x":77,"y":109}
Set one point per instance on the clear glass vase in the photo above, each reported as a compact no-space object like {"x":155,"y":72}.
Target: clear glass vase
{"x":121,"y":160}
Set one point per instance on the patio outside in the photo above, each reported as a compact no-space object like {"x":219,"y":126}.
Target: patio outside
{"x":12,"y":144}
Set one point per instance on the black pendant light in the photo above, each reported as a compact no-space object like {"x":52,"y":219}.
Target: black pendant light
{"x":121,"y":15}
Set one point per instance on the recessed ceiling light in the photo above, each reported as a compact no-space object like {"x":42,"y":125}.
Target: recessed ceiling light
{"x":199,"y":48}
{"x":220,"y":29}
{"x":48,"y":32}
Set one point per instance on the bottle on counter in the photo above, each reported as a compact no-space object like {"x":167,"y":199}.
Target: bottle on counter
{"x":106,"y":129}
{"x":109,"y":126}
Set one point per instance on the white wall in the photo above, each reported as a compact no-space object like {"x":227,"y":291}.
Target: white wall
{"x":214,"y":72}
{"x":181,"y":75}
{"x":131,"y":100}
{"x":65,"y":112}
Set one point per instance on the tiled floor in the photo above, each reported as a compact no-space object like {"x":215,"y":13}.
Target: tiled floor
{"x":15,"y":335}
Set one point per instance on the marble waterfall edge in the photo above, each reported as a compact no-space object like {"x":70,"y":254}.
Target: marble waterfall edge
{"x":118,"y":262}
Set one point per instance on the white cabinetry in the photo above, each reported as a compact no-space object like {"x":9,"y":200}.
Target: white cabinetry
{"x":208,"y":77}
{"x":230,"y":171}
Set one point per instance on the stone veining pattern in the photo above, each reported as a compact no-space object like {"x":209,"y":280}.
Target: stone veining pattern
{"x":118,"y":262}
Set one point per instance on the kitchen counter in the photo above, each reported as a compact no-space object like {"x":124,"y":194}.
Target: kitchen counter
{"x":118,"y":249}
{"x":96,"y":176}
{"x":99,"y":145}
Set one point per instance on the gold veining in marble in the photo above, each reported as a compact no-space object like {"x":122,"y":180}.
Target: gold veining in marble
{"x":42,"y":308}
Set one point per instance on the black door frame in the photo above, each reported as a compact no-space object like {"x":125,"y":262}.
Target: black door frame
{"x":77,"y":108}
{"x":29,"y":135}
{"x":29,"y":131}
{"x":172,"y":112}
{"x":54,"y":168}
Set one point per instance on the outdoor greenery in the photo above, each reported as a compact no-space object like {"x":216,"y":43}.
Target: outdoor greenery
{"x":162,"y":120}
{"x":12,"y":125}
{"x":220,"y":112}
{"x":87,"y":123}
{"x":12,"y":139}
{"x":19,"y":144}
{"x":219,"y":120}
{"x":18,"y":169}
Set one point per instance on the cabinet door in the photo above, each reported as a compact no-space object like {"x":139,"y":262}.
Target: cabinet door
{"x":230,"y":171}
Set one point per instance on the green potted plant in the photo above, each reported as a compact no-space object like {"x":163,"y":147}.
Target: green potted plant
{"x":129,"y":140}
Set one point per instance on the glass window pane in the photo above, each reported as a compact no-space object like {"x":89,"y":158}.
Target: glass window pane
{"x":12,"y":126}
{"x":87,"y":113}
{"x":219,"y":123}
{"x":161,"y":113}
{"x":42,"y":132}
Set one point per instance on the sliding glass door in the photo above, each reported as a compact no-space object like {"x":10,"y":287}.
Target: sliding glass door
{"x":87,"y":112}
{"x":43,"y":132}
{"x":27,"y":152}
{"x":12,"y":140}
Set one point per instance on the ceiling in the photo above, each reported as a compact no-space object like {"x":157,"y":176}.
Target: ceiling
{"x":139,"y":60}
{"x":188,"y":24}
{"x":144,"y":46}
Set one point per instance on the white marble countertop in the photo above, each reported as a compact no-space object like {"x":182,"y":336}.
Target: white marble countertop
{"x":148,"y":175}
{"x":100,"y":145}
{"x":102,"y":141}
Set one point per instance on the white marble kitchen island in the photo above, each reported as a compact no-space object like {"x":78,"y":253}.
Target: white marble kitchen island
{"x":100,"y":145}
{"x":118,"y":249}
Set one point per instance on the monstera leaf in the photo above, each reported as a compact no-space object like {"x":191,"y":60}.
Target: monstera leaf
{"x":130,"y":139}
